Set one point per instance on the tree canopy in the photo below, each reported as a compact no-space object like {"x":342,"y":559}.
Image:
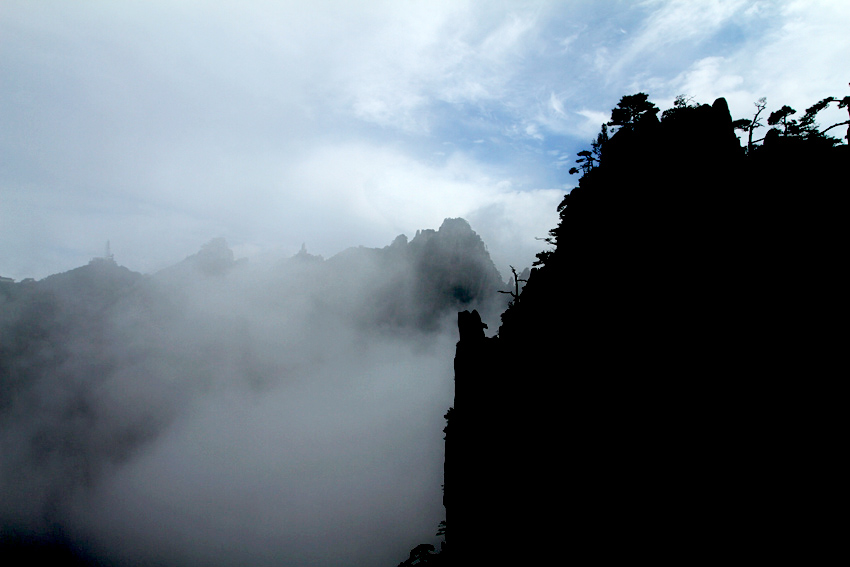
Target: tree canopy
{"x":631,"y":110}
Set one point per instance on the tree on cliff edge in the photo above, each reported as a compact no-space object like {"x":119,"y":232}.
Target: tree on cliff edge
{"x":631,"y":110}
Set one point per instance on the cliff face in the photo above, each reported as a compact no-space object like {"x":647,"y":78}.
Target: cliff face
{"x":505,"y":486}
{"x":632,"y":395}
{"x":483,"y":452}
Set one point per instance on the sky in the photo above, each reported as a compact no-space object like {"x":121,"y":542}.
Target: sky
{"x":158,"y":126}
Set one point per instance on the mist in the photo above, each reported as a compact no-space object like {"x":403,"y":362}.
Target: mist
{"x":221,"y":412}
{"x":212,"y":396}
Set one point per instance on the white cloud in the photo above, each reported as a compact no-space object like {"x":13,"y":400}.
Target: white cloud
{"x":710,"y":78}
{"x":793,"y":63}
{"x":379,"y":192}
{"x":674,"y":21}
{"x":593,"y":121}
{"x":236,"y":119}
{"x":556,"y":105}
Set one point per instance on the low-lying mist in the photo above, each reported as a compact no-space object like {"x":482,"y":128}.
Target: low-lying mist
{"x":221,"y":413}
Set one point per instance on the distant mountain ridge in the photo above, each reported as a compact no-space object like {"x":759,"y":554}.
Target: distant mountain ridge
{"x":418,"y":281}
{"x":406,"y":283}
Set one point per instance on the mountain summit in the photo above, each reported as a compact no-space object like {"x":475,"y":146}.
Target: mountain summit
{"x":409,"y":283}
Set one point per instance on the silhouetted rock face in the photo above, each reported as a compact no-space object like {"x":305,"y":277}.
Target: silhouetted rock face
{"x":650,"y":356}
{"x":499,"y":489}
{"x":470,"y":326}
{"x":644,"y":237}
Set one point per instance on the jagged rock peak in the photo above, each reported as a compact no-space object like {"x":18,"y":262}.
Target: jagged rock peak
{"x":423,"y":235}
{"x":452,"y":228}
{"x":721,"y":111}
{"x":458,"y":232}
{"x":457,"y":225}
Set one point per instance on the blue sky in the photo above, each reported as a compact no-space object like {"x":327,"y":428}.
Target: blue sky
{"x":161,"y":125}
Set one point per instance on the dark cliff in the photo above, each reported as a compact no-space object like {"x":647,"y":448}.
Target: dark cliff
{"x":635,"y":401}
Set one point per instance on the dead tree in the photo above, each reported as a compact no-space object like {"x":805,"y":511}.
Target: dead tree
{"x":514,"y":294}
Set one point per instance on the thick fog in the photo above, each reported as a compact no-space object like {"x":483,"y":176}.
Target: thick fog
{"x":226,"y":413}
